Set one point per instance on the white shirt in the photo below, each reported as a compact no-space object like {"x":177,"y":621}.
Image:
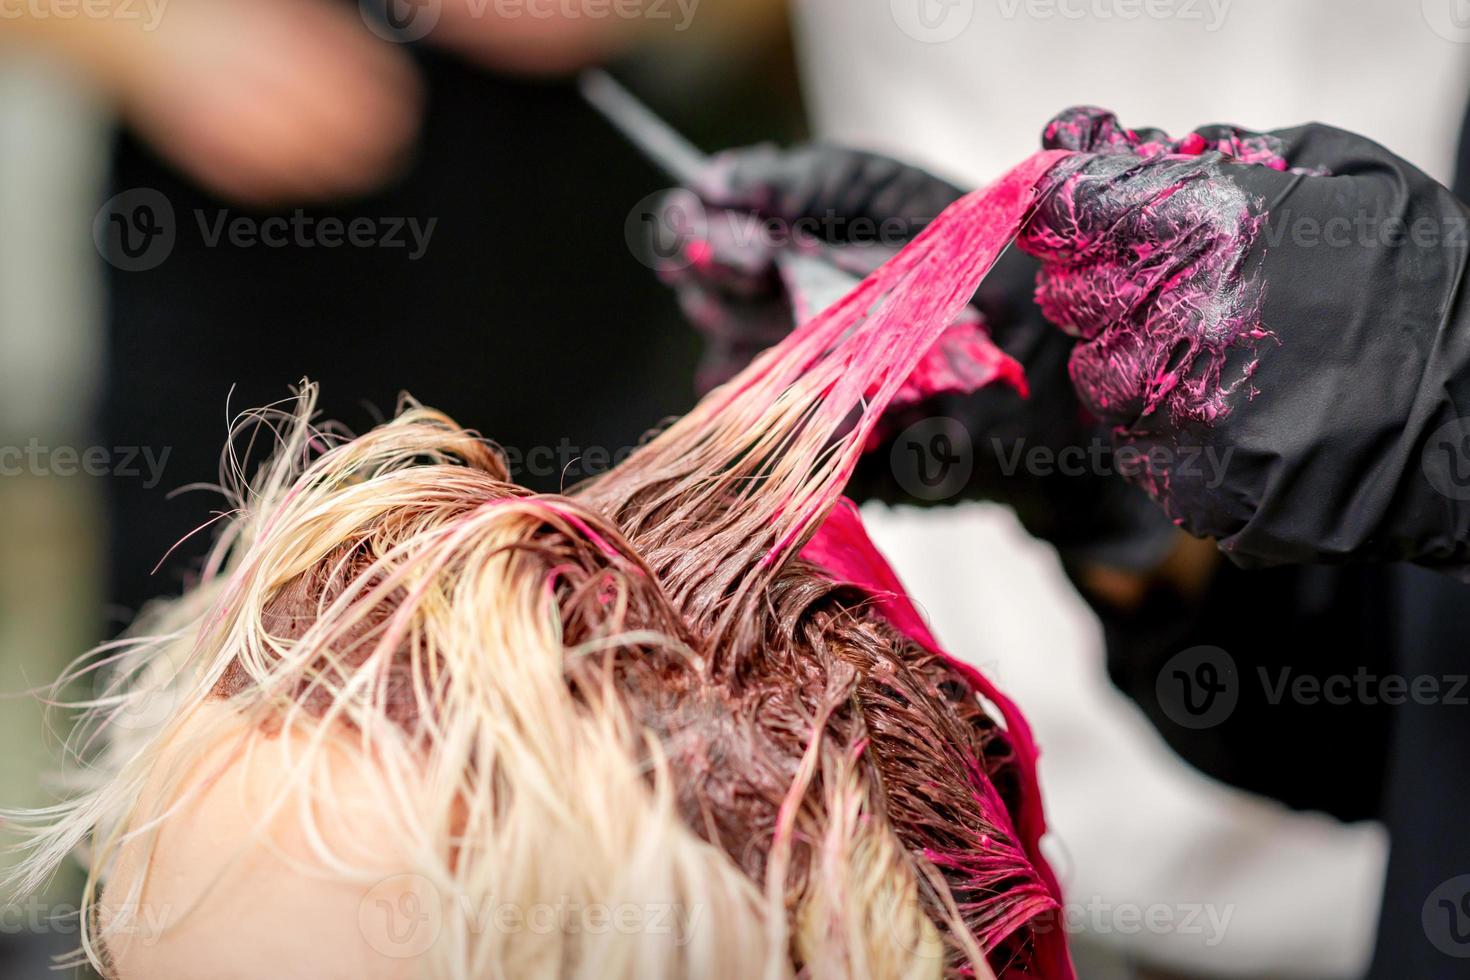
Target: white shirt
{"x":974,"y":105}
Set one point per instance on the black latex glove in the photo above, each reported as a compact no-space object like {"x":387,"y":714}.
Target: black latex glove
{"x":1297,"y":321}
{"x":1040,"y":455}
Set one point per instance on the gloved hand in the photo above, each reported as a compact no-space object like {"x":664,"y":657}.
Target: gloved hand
{"x":1274,"y":326}
{"x":722,"y":238}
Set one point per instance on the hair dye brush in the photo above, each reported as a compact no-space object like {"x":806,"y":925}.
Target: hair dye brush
{"x":813,"y":280}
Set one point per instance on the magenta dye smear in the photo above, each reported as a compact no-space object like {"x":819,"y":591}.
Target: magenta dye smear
{"x":1089,"y":129}
{"x":861,"y":351}
{"x":1144,"y":252}
{"x":964,"y":359}
{"x":843,"y":548}
{"x":902,"y":336}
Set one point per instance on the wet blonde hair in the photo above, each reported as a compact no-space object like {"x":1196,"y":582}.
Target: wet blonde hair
{"x":638,"y":693}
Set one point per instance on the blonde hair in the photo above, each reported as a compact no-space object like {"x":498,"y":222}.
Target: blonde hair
{"x":637,"y":693}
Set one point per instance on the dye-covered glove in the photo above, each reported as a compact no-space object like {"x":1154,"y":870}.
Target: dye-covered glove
{"x":719,"y":240}
{"x":1040,"y":455}
{"x":1274,"y":326}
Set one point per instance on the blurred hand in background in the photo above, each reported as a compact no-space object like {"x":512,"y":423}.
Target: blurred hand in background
{"x":538,"y":37}
{"x":260,"y":101}
{"x":268,"y":101}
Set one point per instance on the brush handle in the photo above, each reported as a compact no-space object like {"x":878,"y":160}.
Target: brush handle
{"x":656,"y":139}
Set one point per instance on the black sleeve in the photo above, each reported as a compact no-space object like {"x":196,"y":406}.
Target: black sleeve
{"x":1289,"y":307}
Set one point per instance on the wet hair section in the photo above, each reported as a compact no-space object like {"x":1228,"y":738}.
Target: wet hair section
{"x":692,"y":682}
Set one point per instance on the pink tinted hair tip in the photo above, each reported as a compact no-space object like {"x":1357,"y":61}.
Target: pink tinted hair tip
{"x":897,"y":320}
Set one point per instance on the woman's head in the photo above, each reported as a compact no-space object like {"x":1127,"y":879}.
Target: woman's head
{"x":689,"y":693}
